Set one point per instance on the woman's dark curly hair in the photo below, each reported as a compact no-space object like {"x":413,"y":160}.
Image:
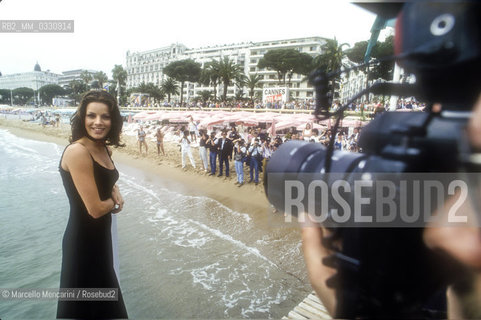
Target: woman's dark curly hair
{"x":77,"y":121}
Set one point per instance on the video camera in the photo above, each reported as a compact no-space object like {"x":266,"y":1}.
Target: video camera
{"x":385,"y":270}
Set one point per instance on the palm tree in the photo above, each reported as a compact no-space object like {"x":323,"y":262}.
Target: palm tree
{"x":119,"y":74}
{"x":331,"y":60}
{"x":86,"y":77}
{"x":169,"y":87}
{"x":252,"y":82}
{"x":228,"y":71}
{"x":210,"y":75}
{"x":204,"y":96}
{"x":101,"y":77}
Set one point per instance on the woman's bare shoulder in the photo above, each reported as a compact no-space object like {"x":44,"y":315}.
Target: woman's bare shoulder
{"x":75,"y":152}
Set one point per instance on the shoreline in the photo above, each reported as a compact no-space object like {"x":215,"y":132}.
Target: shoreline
{"x":249,"y":198}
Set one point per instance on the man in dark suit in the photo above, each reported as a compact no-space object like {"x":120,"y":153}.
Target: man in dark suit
{"x":224,"y":149}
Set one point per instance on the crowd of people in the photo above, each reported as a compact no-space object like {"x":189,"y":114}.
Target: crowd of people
{"x":368,"y":106}
{"x":247,"y":149}
{"x":237,"y":104}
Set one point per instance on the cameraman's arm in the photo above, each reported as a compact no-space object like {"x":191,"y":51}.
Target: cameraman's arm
{"x":318,"y":273}
{"x":463,"y":244}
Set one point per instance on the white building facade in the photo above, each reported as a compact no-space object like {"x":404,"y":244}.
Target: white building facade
{"x":67,"y":76}
{"x":147,"y":66}
{"x":33,"y":80}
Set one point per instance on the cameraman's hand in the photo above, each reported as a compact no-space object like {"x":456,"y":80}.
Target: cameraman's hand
{"x":314,"y":252}
{"x":474,"y":126}
{"x":463,"y":244}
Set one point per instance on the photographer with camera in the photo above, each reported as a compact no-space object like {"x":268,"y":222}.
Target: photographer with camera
{"x":240,"y":153}
{"x":377,"y":241}
{"x":255,"y":154}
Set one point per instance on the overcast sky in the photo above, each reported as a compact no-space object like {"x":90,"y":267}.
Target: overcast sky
{"x":106,"y":29}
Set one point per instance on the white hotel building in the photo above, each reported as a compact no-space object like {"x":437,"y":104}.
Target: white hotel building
{"x":147,"y":66}
{"x":33,"y":80}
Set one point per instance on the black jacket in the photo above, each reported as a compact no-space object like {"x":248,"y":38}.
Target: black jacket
{"x":225,"y":152}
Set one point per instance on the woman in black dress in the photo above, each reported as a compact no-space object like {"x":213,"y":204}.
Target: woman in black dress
{"x":89,"y":177}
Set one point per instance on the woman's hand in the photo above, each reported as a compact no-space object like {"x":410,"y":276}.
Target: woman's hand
{"x":118,"y":200}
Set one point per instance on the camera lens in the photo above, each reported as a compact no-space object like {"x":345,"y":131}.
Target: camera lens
{"x":295,"y":160}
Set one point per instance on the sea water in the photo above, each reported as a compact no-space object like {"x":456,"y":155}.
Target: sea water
{"x":181,"y":256}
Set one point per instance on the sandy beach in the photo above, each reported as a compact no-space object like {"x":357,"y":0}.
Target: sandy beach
{"x":249,"y":198}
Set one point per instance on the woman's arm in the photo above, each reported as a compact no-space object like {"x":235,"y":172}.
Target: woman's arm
{"x":78,"y":162}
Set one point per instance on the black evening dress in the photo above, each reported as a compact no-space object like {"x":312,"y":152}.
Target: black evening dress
{"x":87,"y":260}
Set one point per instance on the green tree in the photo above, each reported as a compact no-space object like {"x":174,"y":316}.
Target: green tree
{"x":22,"y":95}
{"x":5,"y":96}
{"x":210,"y":75}
{"x":95,"y":84}
{"x":286,"y":62}
{"x":142,"y":88}
{"x":169,"y":87}
{"x":77,"y":88}
{"x":228,"y":71}
{"x":49,"y":91}
{"x":204,"y":95}
{"x":119,"y":76}
{"x":383,"y":69}
{"x":357,"y":52}
{"x":253,"y":82}
{"x":102,"y":78}
{"x":113,"y":92}
{"x":86,"y":77}
{"x":331,"y":59}
{"x":182,"y":71}
{"x":154,"y":92}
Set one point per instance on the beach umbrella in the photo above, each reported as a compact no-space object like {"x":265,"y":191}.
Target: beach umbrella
{"x":287,"y":124}
{"x":272,"y":129}
{"x":141,"y":115}
{"x":313,"y":126}
{"x":153,"y":116}
{"x":353,"y":123}
{"x":265,"y":117}
{"x":247,"y":122}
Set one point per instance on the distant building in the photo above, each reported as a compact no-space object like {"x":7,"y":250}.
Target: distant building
{"x":352,"y":83}
{"x":63,"y":102}
{"x":67,"y":76}
{"x":147,"y":66}
{"x":33,"y":80}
